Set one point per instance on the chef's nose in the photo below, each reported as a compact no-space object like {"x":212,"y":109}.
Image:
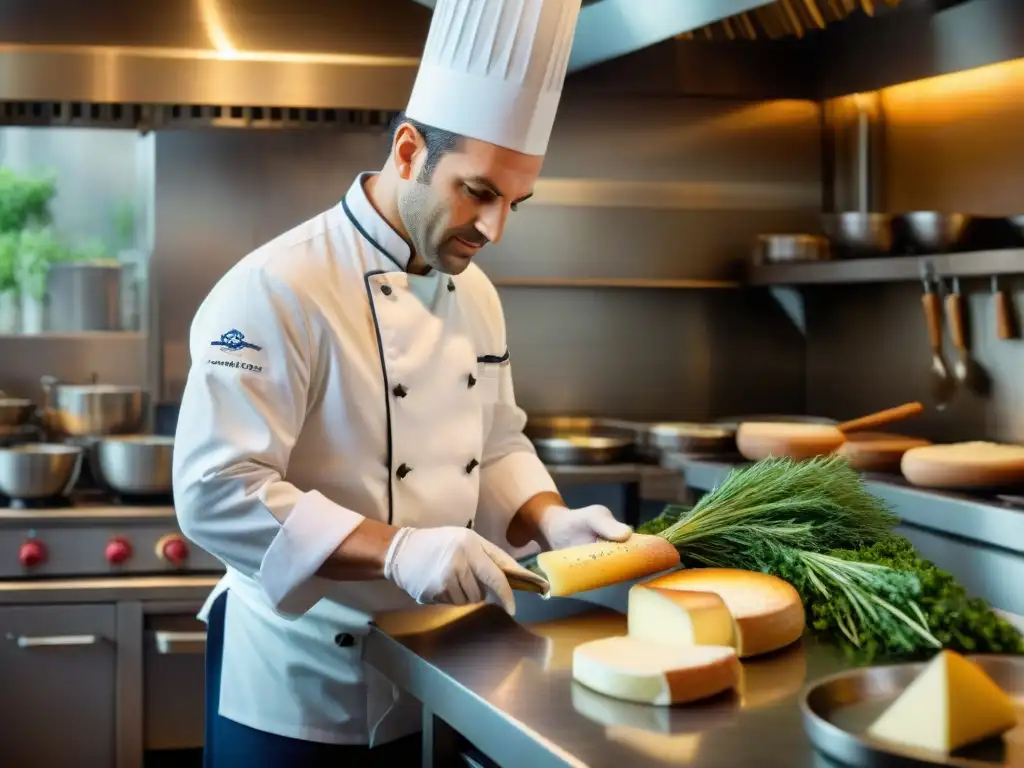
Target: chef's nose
{"x":491,"y":223}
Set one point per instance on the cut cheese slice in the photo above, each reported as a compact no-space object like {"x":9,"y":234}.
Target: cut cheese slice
{"x":592,"y":566}
{"x":651,"y":673}
{"x":964,"y":465}
{"x":950,"y":705}
{"x":758,"y":440}
{"x":766,"y":611}
{"x":675,"y":617}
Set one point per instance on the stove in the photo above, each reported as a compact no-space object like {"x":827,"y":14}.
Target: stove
{"x":92,"y":535}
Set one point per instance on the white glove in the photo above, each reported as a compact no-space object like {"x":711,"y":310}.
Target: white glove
{"x":561,"y":527}
{"x":451,"y":565}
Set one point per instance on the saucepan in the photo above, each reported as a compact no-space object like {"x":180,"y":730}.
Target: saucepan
{"x":858,"y":234}
{"x":760,"y":440}
{"x":93,"y":409}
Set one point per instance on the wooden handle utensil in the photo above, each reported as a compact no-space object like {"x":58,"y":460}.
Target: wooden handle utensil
{"x":1005,"y":327}
{"x":881,"y":418}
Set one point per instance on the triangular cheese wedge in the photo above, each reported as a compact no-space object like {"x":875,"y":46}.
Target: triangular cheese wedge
{"x":950,"y":705}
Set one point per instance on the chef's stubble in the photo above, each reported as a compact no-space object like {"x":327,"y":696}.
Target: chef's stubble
{"x":425,"y":218}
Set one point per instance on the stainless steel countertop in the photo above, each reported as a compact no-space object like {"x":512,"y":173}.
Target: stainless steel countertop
{"x":506,"y":686}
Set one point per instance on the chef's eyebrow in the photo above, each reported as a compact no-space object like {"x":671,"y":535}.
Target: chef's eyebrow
{"x":485,"y":182}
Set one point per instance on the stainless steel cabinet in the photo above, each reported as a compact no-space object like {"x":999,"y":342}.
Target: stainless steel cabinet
{"x":173,"y":681}
{"x":58,"y":667}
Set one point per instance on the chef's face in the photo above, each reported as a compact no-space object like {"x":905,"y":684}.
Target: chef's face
{"x":465,"y":202}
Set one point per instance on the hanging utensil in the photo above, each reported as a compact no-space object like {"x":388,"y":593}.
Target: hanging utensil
{"x":966,"y":369}
{"x":1006,"y":328}
{"x":941,"y":385}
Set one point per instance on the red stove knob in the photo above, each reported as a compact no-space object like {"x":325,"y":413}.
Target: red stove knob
{"x":118,"y":551}
{"x":32,"y":553}
{"x":172,"y":549}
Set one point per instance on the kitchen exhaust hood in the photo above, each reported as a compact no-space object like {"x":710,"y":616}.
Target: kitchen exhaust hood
{"x":281,"y":63}
{"x":176,"y":61}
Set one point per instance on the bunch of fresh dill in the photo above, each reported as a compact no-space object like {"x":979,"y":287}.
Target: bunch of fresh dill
{"x":814,"y":524}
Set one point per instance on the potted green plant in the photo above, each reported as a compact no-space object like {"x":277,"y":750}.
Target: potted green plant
{"x":8,"y":282}
{"x":38,"y":250}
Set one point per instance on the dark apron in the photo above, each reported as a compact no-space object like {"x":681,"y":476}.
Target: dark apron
{"x":232,"y":745}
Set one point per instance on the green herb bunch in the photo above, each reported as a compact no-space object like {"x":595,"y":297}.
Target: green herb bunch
{"x":960,"y":622}
{"x":815,"y":525}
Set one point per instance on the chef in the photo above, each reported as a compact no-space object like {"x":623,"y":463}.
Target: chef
{"x":349,"y":441}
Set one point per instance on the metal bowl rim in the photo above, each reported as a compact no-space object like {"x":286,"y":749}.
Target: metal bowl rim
{"x":100,"y":389}
{"x":43,"y":449}
{"x":153,"y":441}
{"x":814,"y":721}
{"x":703,"y":430}
{"x":583,"y":441}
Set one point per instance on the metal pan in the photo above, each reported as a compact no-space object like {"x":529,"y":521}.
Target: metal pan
{"x":735,"y":421}
{"x":838,"y":710}
{"x":688,"y":437}
{"x":583,"y":450}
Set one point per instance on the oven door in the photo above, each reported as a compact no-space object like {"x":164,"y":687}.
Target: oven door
{"x":173,"y":678}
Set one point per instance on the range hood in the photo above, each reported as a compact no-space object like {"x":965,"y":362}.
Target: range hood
{"x":273,"y":63}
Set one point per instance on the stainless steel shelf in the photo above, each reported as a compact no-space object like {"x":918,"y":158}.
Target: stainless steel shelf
{"x":892,"y":269}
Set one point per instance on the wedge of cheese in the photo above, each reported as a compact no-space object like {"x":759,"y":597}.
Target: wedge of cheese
{"x":592,"y":566}
{"x":677,"y":617}
{"x":651,"y":673}
{"x":950,"y":705}
{"x":766,"y":611}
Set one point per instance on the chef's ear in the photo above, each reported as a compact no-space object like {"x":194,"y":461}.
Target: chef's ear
{"x":407,"y":150}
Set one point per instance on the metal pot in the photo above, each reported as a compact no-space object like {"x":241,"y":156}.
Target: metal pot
{"x":85,"y":296}
{"x":39,"y":470}
{"x":135,"y":464}
{"x":779,"y":249}
{"x":857,"y":234}
{"x":933,"y":232}
{"x":15,"y":411}
{"x":93,"y":409}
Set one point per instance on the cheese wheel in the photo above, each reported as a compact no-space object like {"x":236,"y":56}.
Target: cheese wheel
{"x":592,"y":566}
{"x":877,"y":451}
{"x":651,"y":673}
{"x":964,"y":465}
{"x":675,"y":617}
{"x":950,"y":705}
{"x":766,"y":611}
{"x":757,"y":440}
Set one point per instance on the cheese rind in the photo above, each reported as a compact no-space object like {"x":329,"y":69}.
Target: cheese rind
{"x":964,"y":465}
{"x":592,"y":566}
{"x":674,"y":617}
{"x":650,"y":673}
{"x":766,"y":611}
{"x":950,"y":705}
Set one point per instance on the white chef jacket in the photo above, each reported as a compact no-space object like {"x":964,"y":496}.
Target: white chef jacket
{"x":328,"y":385}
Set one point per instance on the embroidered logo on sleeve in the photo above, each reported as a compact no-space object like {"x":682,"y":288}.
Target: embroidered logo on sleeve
{"x":233,"y":343}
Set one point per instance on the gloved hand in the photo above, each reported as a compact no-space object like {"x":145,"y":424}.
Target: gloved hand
{"x":561,"y":527}
{"x":451,"y":565}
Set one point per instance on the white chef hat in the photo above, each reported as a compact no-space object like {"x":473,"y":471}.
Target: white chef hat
{"x":493,"y":70}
